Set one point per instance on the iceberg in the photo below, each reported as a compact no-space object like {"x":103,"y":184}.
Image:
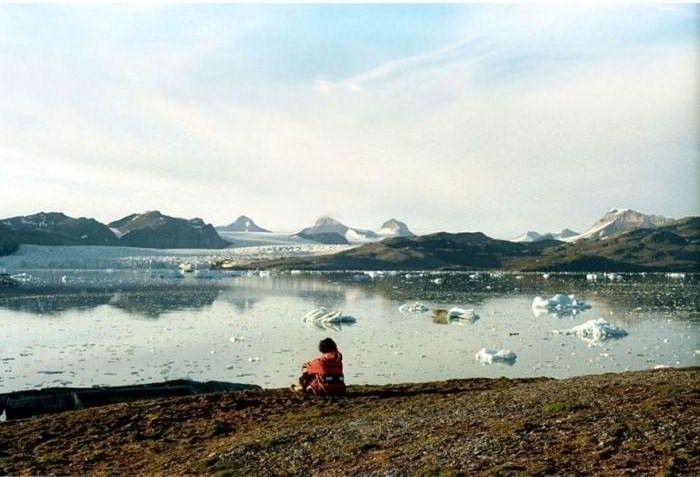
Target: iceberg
{"x":323,"y":318}
{"x":455,"y":314}
{"x":462,"y":314}
{"x":594,"y":331}
{"x":559,"y":305}
{"x":489,"y":355}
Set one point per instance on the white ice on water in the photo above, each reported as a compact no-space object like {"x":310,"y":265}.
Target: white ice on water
{"x":415,"y":307}
{"x":462,"y":314}
{"x":323,"y":318}
{"x":594,"y":331}
{"x":489,"y":355}
{"x":559,"y":303}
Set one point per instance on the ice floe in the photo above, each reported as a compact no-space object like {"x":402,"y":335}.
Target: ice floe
{"x":594,"y":331}
{"x":323,"y":318}
{"x":415,"y":307}
{"x":559,"y":305}
{"x":454,"y":315}
{"x":489,"y":355}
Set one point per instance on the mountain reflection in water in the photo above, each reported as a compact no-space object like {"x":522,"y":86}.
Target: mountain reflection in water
{"x":90,"y":331}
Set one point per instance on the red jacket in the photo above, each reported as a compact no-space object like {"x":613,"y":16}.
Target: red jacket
{"x":327,"y":370}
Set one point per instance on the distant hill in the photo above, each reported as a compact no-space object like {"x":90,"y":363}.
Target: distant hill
{"x":155,"y":230}
{"x":8,"y":245}
{"x":394,"y":228}
{"x":618,"y":221}
{"x":328,"y":230}
{"x":242,"y":224}
{"x":674,"y":247}
{"x":436,"y":251}
{"x":532,"y":236}
{"x":332,"y":231}
{"x":55,"y":228}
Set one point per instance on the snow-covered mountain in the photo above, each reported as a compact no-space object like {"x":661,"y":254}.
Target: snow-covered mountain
{"x":330,"y":230}
{"x":618,"y":221}
{"x":242,"y":224}
{"x":532,"y":236}
{"x":394,"y":228}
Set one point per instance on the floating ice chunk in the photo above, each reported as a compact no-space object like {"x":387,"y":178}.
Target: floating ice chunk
{"x":21,"y":277}
{"x":456,"y":314}
{"x":594,"y":331}
{"x":489,"y":355}
{"x":462,"y":313}
{"x":323,"y":318}
{"x":416,"y":307}
{"x":592,"y":277}
{"x":559,"y":304}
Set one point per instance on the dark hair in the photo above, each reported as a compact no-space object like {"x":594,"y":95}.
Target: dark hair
{"x":327,"y":345}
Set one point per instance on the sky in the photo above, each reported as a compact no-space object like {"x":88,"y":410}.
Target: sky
{"x":496,"y":118}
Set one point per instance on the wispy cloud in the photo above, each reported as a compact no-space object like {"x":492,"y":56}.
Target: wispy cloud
{"x":524,"y":117}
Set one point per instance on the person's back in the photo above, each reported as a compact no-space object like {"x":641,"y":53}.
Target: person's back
{"x":323,"y":375}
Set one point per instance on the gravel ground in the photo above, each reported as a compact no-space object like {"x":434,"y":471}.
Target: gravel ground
{"x":641,"y":423}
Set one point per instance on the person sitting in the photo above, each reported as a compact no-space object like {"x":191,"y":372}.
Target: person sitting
{"x":323,"y":375}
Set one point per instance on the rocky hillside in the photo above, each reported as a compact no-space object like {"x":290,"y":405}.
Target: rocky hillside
{"x":674,"y":247}
{"x":436,"y":251}
{"x":55,"y":228}
{"x":636,"y":423}
{"x":155,"y":230}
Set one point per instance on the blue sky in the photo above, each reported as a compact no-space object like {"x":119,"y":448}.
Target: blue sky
{"x":450,"y":117}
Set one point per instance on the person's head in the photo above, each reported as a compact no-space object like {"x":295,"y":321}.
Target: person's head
{"x":327,"y":345}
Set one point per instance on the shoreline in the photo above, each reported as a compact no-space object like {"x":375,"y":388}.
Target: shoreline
{"x":615,"y":423}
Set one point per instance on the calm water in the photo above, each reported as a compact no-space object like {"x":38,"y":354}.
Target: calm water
{"x":85,"y":328}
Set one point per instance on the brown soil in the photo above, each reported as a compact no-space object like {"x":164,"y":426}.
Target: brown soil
{"x":615,"y":424}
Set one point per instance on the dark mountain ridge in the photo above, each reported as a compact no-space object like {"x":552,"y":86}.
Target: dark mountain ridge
{"x":674,"y":247}
{"x":151,"y":229}
{"x":155,"y":230}
{"x":55,"y":228}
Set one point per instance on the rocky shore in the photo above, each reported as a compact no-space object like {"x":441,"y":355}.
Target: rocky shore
{"x":643,"y":423}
